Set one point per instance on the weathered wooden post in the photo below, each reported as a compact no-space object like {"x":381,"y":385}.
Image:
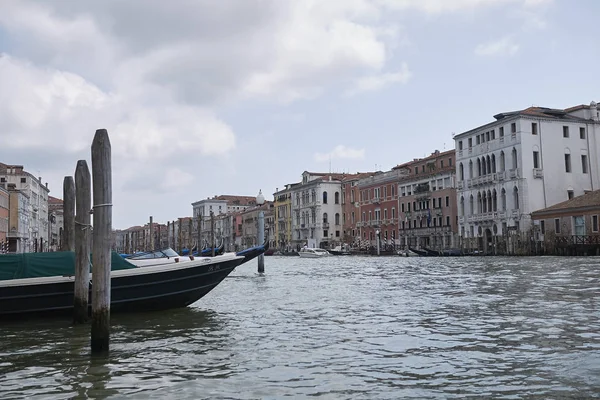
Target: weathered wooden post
{"x":160,"y":246}
{"x":212,"y":233}
{"x":101,"y":262}
{"x":189,"y":236}
{"x":83,"y":197}
{"x":260,"y":200}
{"x":151,"y":235}
{"x":179,"y":234}
{"x":68,"y":243}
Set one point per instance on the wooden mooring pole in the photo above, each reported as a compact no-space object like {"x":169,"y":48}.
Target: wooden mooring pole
{"x":101,"y":238}
{"x":212,"y":233}
{"x":151,"y":236}
{"x":68,"y":243}
{"x":83,"y":197}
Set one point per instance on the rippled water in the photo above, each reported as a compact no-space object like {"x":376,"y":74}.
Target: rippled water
{"x":343,"y":327}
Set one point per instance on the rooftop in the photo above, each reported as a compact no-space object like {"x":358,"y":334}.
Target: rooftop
{"x":591,"y":199}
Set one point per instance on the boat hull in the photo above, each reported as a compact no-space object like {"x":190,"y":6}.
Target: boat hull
{"x":312,"y":255}
{"x":132,"y":290}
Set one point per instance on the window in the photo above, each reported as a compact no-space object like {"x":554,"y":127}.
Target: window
{"x":543,"y":227}
{"x":556,"y":225}
{"x":536,"y":159}
{"x":325,"y":233}
{"x":567,"y":163}
{"x":582,"y":133}
{"x":579,"y":225}
{"x":565,"y":131}
{"x":337,"y":233}
{"x":501,"y":131}
{"x":513,"y":127}
{"x":594,"y":223}
{"x":478,"y":139}
{"x":450,"y":162}
{"x":441,"y":163}
{"x":470,"y":142}
{"x":570,"y":194}
{"x":337,"y":218}
{"x":447,"y":201}
{"x":584,"y":164}
{"x":324,"y":197}
{"x":448,"y":220}
{"x":337,"y":198}
{"x":493,"y":132}
{"x":324,"y":218}
{"x":533,"y":128}
{"x":460,"y":144}
{"x":23,"y":180}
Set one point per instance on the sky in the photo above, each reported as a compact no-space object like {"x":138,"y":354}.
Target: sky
{"x":202,"y":97}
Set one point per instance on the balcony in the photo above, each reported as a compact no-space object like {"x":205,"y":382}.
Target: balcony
{"x":325,"y":225}
{"x":538,"y":173}
{"x":513,"y":173}
{"x":501,"y":175}
{"x":460,"y":185}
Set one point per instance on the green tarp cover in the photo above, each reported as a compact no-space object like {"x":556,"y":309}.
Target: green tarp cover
{"x":37,"y":265}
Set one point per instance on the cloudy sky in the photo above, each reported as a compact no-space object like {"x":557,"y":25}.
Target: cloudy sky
{"x":205,"y":97}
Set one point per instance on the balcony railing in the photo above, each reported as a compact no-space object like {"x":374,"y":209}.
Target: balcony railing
{"x":538,"y":173}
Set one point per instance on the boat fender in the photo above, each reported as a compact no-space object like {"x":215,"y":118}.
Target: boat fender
{"x":191,"y":258}
{"x":176,"y":259}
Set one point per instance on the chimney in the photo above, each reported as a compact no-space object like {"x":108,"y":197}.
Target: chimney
{"x":594,"y":111}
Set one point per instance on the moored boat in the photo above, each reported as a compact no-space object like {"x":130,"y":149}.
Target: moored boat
{"x":307,"y":252}
{"x":42,"y":283}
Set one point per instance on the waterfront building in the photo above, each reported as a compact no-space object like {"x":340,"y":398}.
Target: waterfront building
{"x":282,"y":223}
{"x":351,"y":208}
{"x":56,"y":222}
{"x":317,"y":210}
{"x":523,"y":161}
{"x":377,"y":208}
{"x":427,"y":202}
{"x":4,"y":213}
{"x":217,"y":205}
{"x":249,"y":229}
{"x":37,"y":192}
{"x":18,"y":221}
{"x":570,"y":227}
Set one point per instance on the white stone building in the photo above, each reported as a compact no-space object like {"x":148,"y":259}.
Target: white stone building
{"x":317,"y":210}
{"x":524,"y":161}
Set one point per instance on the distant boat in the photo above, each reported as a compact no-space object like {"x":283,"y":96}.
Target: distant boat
{"x":339,"y":251}
{"x":306,"y":252}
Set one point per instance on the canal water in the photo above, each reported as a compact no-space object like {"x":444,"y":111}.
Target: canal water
{"x":338,"y":328}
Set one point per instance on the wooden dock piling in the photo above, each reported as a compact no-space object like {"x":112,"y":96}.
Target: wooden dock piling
{"x":212,"y":233}
{"x":83,"y":201}
{"x":68,"y":243}
{"x":101,"y":239}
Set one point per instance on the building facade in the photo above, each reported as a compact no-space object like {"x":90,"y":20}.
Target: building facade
{"x":217,"y":205}
{"x":37,"y":235}
{"x":56,"y":223}
{"x":4,"y":213}
{"x":570,"y":227}
{"x":378,"y":208}
{"x":427,"y":202}
{"x":524,"y":161}
{"x":317,"y":211}
{"x":18,"y":221}
{"x":282,"y":224}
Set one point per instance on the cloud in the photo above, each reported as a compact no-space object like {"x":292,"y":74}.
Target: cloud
{"x":501,"y":47}
{"x":378,"y":82}
{"x":341,"y":152}
{"x":440,"y":6}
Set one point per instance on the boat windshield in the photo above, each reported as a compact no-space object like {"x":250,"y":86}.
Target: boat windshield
{"x":164,"y":253}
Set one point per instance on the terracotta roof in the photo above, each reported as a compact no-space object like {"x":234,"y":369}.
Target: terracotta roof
{"x":237,"y":200}
{"x":54,"y":200}
{"x":433,"y":156}
{"x":591,"y":199}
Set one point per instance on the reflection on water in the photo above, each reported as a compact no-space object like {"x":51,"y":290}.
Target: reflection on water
{"x":344,"y":327}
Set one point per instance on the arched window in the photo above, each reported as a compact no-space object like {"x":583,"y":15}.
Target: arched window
{"x":483,"y":166}
{"x":337,"y":218}
{"x":489,"y":165}
{"x":502,"y":162}
{"x":337,"y":198}
{"x":493,"y":163}
{"x":514,"y":159}
{"x":478,"y":167}
{"x":495,"y":201}
{"x":484,"y":202}
{"x":324,"y":218}
{"x":471,"y":206}
{"x":489,"y":199}
{"x":516,"y":198}
{"x":479,"y":205}
{"x":461,"y":172}
{"x":503,"y":199}
{"x":462,"y":206}
{"x":313,"y":195}
{"x":324,"y":197}
{"x":471,"y":169}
